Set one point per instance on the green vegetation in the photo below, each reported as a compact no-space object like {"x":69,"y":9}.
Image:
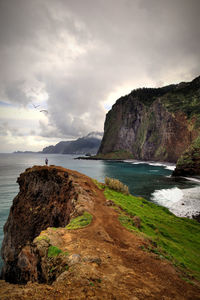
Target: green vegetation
{"x":197,"y":123}
{"x":174,"y":238}
{"x":116,"y":185}
{"x":183,"y":100}
{"x":80,"y":222}
{"x":161,"y":151}
{"x":182,"y":97}
{"x":91,"y":283}
{"x":148,"y":95}
{"x":67,"y":268}
{"x":54,"y":251}
{"x":100,"y":185}
{"x":191,"y":157}
{"x":42,"y":237}
{"x":139,"y":112}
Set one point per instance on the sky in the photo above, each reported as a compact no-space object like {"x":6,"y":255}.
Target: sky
{"x":75,"y":58}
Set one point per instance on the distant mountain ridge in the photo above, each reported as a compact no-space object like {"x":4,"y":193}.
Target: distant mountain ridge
{"x":87,"y":144}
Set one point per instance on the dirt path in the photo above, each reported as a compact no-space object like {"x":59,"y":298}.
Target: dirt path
{"x":129,"y":269}
{"x":111,"y":263}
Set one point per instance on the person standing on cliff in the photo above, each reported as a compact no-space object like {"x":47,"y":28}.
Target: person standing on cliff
{"x":46,"y":161}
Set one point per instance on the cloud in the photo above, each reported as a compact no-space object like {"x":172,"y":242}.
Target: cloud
{"x":75,"y":57}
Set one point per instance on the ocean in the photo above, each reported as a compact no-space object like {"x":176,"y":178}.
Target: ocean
{"x":150,"y":180}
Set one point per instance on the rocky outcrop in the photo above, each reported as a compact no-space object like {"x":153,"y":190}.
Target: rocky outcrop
{"x":189,"y":162}
{"x":99,"y":259}
{"x":153,"y":124}
{"x":46,"y":198}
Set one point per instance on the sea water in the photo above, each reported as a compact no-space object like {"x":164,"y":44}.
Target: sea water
{"x":150,"y":180}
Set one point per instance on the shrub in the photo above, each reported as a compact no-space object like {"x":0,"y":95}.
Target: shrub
{"x":43,"y":237}
{"x":117,"y":185}
{"x":54,"y":251}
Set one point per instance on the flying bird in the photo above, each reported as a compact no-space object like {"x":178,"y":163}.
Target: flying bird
{"x":35,"y":106}
{"x":44,"y":111}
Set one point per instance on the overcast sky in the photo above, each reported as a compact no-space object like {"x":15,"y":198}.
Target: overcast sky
{"x":75,"y":58}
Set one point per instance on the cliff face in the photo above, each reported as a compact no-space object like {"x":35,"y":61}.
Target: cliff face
{"x":189,"y":162}
{"x":94,"y":256}
{"x":153,"y":124}
{"x":46,"y":198}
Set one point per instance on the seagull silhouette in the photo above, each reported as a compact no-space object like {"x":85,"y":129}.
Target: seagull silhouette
{"x":35,"y":106}
{"x":44,"y":111}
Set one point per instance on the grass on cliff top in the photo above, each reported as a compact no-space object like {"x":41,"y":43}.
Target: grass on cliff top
{"x":182,"y":97}
{"x":54,"y":251}
{"x":177,"y":239}
{"x":80,"y":222}
{"x":180,"y":101}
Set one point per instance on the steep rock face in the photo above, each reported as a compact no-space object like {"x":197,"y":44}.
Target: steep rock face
{"x":46,"y":198}
{"x":102,"y":260}
{"x":189,"y":162}
{"x":154,"y":124}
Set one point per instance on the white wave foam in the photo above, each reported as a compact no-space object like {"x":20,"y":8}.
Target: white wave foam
{"x":192,"y":179}
{"x":168,"y":166}
{"x":183,"y":203}
{"x":157,"y":164}
{"x":172,"y":168}
{"x":167,"y":197}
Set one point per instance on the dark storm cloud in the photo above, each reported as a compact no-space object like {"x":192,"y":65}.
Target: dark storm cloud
{"x":78,"y":52}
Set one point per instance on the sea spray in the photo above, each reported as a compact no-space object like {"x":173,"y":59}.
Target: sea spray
{"x":181,"y":202}
{"x":168,"y":166}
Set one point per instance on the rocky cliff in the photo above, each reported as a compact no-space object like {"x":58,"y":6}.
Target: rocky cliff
{"x":189,"y":162}
{"x":46,"y":198}
{"x":153,"y":124}
{"x":93,"y":257}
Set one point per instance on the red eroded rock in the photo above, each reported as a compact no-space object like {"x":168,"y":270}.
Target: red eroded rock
{"x":46,"y":199}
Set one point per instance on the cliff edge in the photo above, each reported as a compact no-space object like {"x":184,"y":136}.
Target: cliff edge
{"x":189,"y":162}
{"x":153,"y":123}
{"x":46,"y":198}
{"x":63,"y":240}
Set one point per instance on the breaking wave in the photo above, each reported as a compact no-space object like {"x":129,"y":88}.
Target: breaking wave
{"x":168,"y":166}
{"x":181,"y":202}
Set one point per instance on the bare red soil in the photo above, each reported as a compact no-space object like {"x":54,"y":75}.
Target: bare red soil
{"x":110,"y":264}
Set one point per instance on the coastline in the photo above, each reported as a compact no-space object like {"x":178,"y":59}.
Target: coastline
{"x":173,"y":198}
{"x":52,"y":252}
{"x":97,"y":158}
{"x":131,"y":160}
{"x":159,"y":195}
{"x":169,"y":165}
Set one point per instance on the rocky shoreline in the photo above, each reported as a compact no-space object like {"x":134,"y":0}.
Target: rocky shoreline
{"x":189,"y":162}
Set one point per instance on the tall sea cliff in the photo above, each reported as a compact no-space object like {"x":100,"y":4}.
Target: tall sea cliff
{"x":153,"y":123}
{"x":189,"y":162}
